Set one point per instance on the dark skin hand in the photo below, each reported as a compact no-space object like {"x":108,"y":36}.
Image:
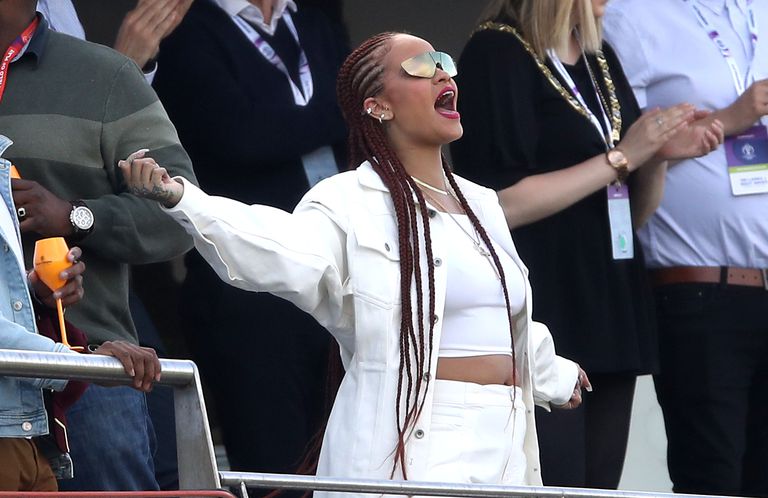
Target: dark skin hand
{"x":72,"y":292}
{"x":46,"y":213}
{"x":138,"y":362}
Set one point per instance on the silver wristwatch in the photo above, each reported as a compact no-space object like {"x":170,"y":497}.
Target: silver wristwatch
{"x":81,"y":218}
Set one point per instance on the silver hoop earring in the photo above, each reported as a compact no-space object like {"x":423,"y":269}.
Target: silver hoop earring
{"x":369,"y":111}
{"x":381,"y":118}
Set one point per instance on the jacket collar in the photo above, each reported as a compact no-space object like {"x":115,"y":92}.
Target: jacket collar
{"x":370,"y":179}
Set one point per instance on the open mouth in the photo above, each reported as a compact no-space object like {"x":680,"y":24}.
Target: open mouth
{"x":445,"y":104}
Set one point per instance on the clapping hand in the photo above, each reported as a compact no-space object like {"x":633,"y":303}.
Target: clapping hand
{"x":702,"y":136}
{"x":145,"y":26}
{"x":145,"y":178}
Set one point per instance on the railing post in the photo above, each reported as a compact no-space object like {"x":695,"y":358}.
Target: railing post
{"x":194,"y":446}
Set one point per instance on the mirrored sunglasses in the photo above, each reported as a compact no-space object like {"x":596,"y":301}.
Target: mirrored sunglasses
{"x":425,"y":65}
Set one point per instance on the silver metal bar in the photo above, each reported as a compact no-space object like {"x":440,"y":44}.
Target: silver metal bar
{"x":197,"y":462}
{"x":194,"y":445}
{"x":89,"y":367}
{"x":287,"y":481}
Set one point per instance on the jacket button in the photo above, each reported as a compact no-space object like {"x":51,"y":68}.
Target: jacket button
{"x":419,"y":434}
{"x":435,"y":318}
{"x":26,"y":426}
{"x":386,"y":246}
{"x":426,"y":376}
{"x":17,"y":305}
{"x":438,"y":262}
{"x":432,"y":213}
{"x":5,"y":247}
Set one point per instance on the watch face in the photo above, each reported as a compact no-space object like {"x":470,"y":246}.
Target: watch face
{"x":617,"y":158}
{"x":82,"y":218}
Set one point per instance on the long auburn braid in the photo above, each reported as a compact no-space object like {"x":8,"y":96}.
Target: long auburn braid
{"x":360,"y":77}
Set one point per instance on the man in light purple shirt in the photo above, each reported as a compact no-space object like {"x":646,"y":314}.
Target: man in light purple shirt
{"x":707,"y":245}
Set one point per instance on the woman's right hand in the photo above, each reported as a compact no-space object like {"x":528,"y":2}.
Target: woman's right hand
{"x":145,"y":178}
{"x":651,"y":131}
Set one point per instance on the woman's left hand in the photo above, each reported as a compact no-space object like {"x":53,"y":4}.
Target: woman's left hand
{"x":145,"y":178}
{"x":582,"y":381}
{"x":72,"y":292}
{"x":702,"y":136}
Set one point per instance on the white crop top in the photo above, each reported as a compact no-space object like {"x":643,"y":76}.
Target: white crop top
{"x":475,"y":321}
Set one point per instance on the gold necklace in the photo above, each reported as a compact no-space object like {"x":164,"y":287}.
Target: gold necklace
{"x":615,"y":105}
{"x":476,"y":240}
{"x":428,"y":186}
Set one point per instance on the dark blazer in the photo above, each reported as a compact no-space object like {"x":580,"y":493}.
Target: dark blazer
{"x":235,"y":112}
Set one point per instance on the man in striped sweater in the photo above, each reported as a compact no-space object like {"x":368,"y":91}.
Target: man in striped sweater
{"x":73,"y":109}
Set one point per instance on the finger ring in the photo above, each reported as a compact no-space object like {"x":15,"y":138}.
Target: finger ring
{"x":21,"y":212}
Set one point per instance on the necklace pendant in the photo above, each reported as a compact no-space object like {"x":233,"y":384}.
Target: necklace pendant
{"x":615,"y":137}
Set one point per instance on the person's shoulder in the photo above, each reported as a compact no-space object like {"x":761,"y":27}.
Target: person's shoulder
{"x":495,"y":36}
{"x":65,"y":48}
{"x":634,"y":13}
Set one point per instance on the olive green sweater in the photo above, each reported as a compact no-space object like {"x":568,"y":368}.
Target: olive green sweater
{"x":73,"y":109}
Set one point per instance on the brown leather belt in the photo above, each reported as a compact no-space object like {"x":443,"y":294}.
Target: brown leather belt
{"x":749,"y":277}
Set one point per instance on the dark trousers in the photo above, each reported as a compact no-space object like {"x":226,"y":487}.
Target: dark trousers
{"x":586,"y":447}
{"x":264,"y":361}
{"x":713,"y":387}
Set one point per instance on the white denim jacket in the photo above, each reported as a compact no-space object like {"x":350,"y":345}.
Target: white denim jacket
{"x":336,"y":257}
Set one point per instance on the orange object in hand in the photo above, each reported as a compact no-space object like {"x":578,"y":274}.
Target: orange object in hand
{"x":15,"y":173}
{"x":50,"y":259}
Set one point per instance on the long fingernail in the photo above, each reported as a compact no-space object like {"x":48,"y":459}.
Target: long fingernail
{"x":589,"y":389}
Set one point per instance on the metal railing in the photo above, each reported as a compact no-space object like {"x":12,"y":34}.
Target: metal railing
{"x":243,"y":480}
{"x":197,"y":463}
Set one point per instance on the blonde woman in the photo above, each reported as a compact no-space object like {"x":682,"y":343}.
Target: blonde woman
{"x":552,"y":124}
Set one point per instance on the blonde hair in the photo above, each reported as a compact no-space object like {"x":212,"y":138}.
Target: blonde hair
{"x":547,"y":24}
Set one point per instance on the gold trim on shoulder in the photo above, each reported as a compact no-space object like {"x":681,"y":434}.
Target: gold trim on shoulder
{"x":613,"y":104}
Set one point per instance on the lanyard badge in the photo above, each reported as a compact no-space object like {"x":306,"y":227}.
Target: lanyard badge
{"x":620,"y":221}
{"x":746,"y":154}
{"x":617,"y":194}
{"x":747,"y":158}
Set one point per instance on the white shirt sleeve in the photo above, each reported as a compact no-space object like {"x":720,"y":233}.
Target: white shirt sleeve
{"x":624,"y":38}
{"x":554,"y":377}
{"x":299,"y":256}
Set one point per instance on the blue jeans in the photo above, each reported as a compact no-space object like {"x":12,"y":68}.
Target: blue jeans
{"x":112,"y":441}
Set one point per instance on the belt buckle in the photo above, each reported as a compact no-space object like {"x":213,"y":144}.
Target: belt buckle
{"x":765,"y":278}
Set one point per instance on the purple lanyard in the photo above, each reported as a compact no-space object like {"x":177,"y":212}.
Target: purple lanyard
{"x":300,"y":96}
{"x":739,"y":81}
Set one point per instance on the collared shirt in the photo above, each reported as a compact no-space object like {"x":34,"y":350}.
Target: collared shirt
{"x":62,"y":17}
{"x":669,"y":59}
{"x":253,"y":14}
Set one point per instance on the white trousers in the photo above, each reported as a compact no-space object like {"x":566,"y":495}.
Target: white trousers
{"x":477,"y":434}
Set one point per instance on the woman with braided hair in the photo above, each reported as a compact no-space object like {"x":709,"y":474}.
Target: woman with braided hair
{"x":413,"y":271}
